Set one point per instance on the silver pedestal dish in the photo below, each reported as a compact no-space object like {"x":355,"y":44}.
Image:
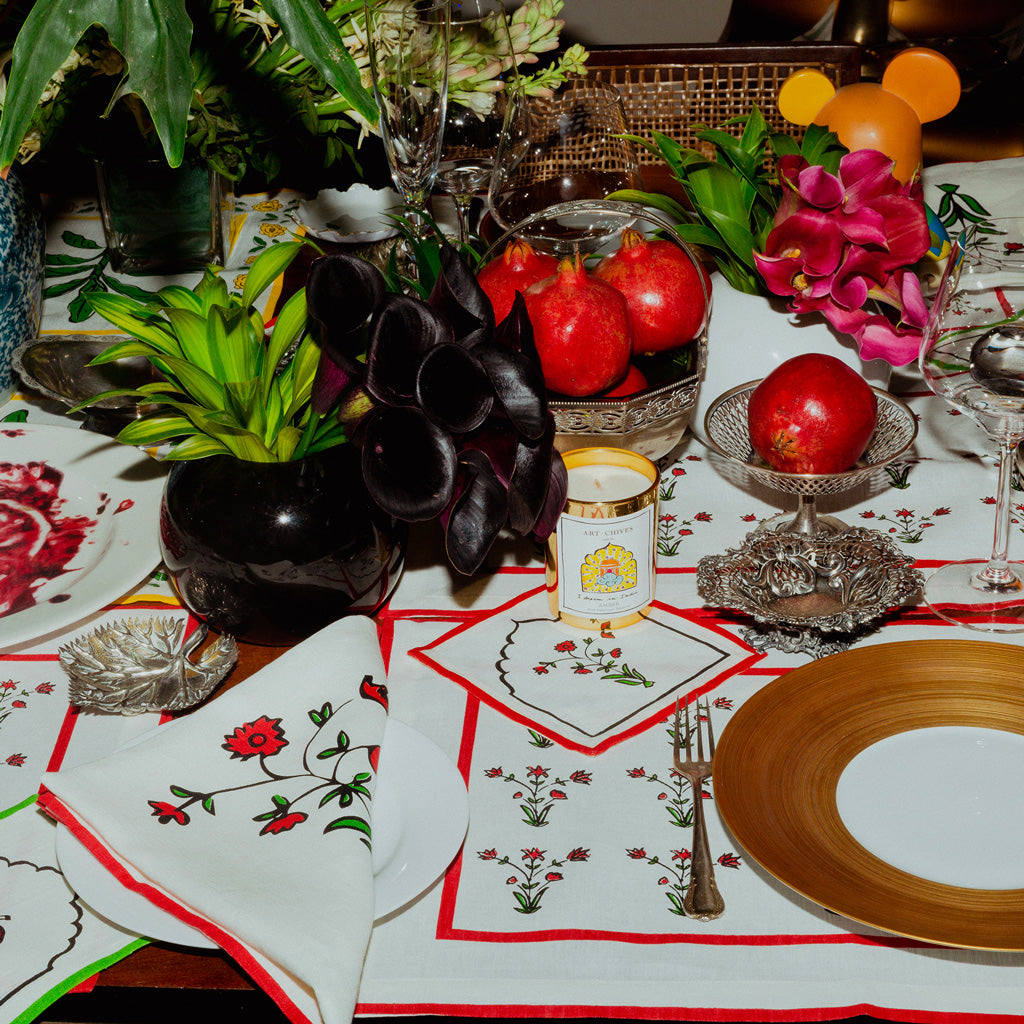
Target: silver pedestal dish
{"x":725,"y":426}
{"x":812,"y":582}
{"x":801,"y":587}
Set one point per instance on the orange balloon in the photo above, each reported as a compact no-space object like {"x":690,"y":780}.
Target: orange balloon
{"x":866,"y":116}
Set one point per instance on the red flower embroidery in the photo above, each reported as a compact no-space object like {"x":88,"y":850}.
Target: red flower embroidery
{"x":557,"y":794}
{"x":283,"y":824}
{"x":678,"y":471}
{"x":680,"y":854}
{"x":636,"y":773}
{"x":582,"y":777}
{"x":578,"y":854}
{"x":867,"y":515}
{"x":581,"y":671}
{"x":533,"y":854}
{"x":168,"y":812}
{"x":615,"y":652}
{"x":703,"y":517}
{"x":663,"y":880}
{"x":44,"y":688}
{"x":566,"y":646}
{"x":729,"y":860}
{"x":685,"y":533}
{"x":9,"y":685}
{"x":488,"y":854}
{"x":18,"y":704}
{"x":537,"y":772}
{"x":264,"y":737}
{"x":725,"y":703}
{"x":553,"y":876}
{"x":941,"y":512}
{"x":541,"y":670}
{"x":493,"y":773}
{"x":517,"y":795}
{"x":511,"y":880}
{"x":667,"y":518}
{"x":16,"y":760}
{"x":749,"y":517}
{"x":637,"y":853}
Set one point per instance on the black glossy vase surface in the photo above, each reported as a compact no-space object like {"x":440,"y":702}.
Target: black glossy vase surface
{"x":272,"y":552}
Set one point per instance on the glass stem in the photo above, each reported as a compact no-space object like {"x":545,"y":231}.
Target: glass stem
{"x":461,"y":212}
{"x":998,"y":573}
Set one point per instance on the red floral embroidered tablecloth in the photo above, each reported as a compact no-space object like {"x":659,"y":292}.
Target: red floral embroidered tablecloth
{"x":566,"y":898}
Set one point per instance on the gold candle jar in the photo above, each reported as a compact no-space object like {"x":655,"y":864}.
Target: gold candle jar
{"x":599,"y":565}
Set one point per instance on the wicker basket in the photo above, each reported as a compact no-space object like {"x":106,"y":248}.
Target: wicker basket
{"x":672,"y":90}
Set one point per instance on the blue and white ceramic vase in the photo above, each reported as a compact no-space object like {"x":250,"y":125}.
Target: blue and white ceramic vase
{"x":22,"y":247}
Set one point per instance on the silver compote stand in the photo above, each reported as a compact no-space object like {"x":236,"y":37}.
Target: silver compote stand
{"x":813,"y":581}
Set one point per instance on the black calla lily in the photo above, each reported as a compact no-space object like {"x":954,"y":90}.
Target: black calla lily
{"x":409,"y":463}
{"x":458,"y":297}
{"x":342,"y":292}
{"x":404,"y":330}
{"x":476,"y":515}
{"x":458,"y":425}
{"x":452,"y":388}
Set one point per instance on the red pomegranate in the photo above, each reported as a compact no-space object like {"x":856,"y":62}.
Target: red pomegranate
{"x":519,"y":266}
{"x":663,"y":288}
{"x":582,"y":330}
{"x":633,"y":382}
{"x":812,"y":414}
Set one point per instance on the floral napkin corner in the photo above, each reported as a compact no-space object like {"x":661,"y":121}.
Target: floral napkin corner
{"x":250,"y":819}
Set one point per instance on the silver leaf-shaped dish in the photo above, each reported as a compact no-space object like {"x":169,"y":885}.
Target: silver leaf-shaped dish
{"x":137,"y":665}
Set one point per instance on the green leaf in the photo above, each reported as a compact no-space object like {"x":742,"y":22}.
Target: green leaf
{"x":267,"y":267}
{"x":289,"y":325}
{"x":312,"y":34}
{"x":179,"y":792}
{"x":179,"y":297}
{"x":155,"y":429}
{"x":198,"y":446}
{"x":153,"y":36}
{"x":135,"y":319}
{"x":352,"y":822}
{"x":201,"y":386}
{"x":189,"y":327}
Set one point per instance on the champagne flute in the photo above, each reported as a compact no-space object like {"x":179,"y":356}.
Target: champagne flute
{"x":408,"y":45}
{"x":557,"y":149}
{"x":972,"y":355}
{"x":481,"y":48}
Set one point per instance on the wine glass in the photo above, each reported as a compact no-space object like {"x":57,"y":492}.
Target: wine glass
{"x":481,"y":47}
{"x":560,"y":148}
{"x":972,"y":355}
{"x":408,"y":45}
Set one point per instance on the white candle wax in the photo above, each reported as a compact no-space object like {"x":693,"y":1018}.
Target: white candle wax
{"x":605,"y":483}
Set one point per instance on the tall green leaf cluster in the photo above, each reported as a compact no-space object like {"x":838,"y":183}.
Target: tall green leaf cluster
{"x":230,"y":385}
{"x":155,"y":39}
{"x":734,"y":196}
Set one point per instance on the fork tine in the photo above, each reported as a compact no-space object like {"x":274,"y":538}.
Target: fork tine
{"x":700,"y":736}
{"x":675,"y":736}
{"x":711,"y":732}
{"x":686,"y":734}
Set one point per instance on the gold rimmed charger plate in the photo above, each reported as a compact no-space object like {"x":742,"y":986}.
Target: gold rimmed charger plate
{"x":779,"y":760}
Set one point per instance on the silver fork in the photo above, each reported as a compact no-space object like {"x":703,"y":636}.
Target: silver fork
{"x":702,"y":899}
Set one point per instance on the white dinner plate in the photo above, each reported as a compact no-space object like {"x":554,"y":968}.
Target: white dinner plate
{"x":413,"y":844}
{"x":114,"y":489}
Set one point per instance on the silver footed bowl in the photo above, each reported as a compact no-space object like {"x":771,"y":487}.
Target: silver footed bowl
{"x":727,"y":430}
{"x":836,"y":583}
{"x":650,"y":422}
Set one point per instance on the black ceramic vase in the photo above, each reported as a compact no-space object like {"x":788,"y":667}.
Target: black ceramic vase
{"x":273,"y":551}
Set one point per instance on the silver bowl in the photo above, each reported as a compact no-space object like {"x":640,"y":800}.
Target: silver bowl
{"x":650,"y":422}
{"x":836,"y":583}
{"x":57,"y":366}
{"x":727,"y":431}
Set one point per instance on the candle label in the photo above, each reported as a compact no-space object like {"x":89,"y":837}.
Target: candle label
{"x":606,"y":566}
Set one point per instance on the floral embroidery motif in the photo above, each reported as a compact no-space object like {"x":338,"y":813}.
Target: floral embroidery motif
{"x":588,"y":659}
{"x":538,"y":795}
{"x":529,"y":884}
{"x":264,"y":738}
{"x":14,"y":697}
{"x":908,"y":527}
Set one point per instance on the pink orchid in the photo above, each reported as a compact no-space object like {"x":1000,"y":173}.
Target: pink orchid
{"x":839,"y":240}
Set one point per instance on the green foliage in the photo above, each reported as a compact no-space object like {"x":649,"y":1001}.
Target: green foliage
{"x":171,"y":76}
{"x":733,"y":198}
{"x":230,"y":385}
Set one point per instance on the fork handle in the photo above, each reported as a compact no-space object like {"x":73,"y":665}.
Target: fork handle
{"x":702,"y":899}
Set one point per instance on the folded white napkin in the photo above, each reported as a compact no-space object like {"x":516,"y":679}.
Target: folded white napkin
{"x":250,"y":818}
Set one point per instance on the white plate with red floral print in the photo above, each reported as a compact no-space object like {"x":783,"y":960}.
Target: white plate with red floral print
{"x":78,"y":526}
{"x":413,"y":843}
